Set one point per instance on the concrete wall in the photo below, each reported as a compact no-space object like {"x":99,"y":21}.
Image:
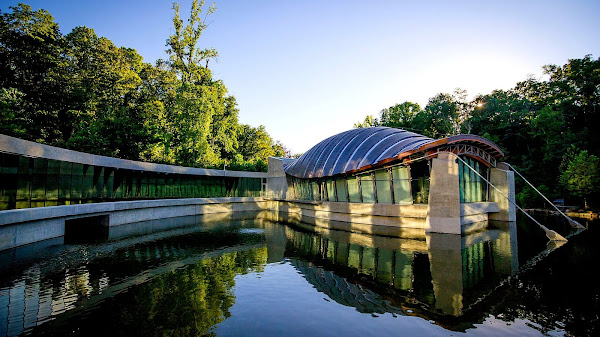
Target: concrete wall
{"x":23,"y":226}
{"x":407,"y":221}
{"x":277,"y":186}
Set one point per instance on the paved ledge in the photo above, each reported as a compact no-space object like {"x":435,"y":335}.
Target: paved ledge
{"x":16,"y":216}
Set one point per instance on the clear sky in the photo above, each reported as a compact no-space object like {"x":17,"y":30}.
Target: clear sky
{"x":309,"y":69}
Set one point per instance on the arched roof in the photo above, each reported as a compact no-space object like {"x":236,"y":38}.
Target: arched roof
{"x":356,"y":149}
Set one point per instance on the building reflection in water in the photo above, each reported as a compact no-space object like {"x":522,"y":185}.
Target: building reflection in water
{"x":444,"y":274}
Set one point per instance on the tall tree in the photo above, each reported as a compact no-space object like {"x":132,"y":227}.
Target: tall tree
{"x":185,"y":57}
{"x":205,"y":116}
{"x":30,"y":50}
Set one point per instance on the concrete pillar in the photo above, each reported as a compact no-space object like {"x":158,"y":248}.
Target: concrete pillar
{"x":504,"y":180}
{"x":277,"y":186}
{"x":443,"y":215}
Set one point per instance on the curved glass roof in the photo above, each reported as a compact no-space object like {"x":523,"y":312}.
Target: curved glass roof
{"x":356,"y":149}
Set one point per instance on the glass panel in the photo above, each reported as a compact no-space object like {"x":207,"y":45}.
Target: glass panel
{"x":152,"y":186}
{"x":340,"y":187}
{"x":366,"y":187}
{"x":330,"y":190}
{"x":420,"y":187}
{"x":469,"y":182}
{"x":420,"y":182}
{"x":76,"y":183}
{"x":38,"y":182}
{"x":169,"y":186}
{"x":315,"y":190}
{"x":211,"y":190}
{"x":64,"y":186}
{"x":9,"y":181}
{"x":160,"y":185}
{"x":118,"y":184}
{"x":109,"y":182}
{"x":401,"y":185}
{"x":197,"y":187}
{"x":402,"y":193}
{"x":462,"y":178}
{"x":98,"y":181}
{"x":23,"y":192}
{"x":353,"y":189}
{"x":135,"y":185}
{"x":221,"y":187}
{"x":400,"y":172}
{"x":145,"y":190}
{"x":189,"y":185}
{"x":382,"y":181}
{"x":177,"y":186}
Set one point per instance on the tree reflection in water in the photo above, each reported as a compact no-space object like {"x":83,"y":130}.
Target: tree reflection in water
{"x":189,"y":301}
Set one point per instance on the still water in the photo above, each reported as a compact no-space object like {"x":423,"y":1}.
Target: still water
{"x":258,"y":277}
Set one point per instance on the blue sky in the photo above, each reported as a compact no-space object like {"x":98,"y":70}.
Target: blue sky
{"x":310,"y":69}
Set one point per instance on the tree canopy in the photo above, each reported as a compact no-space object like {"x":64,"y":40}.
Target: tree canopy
{"x":80,"y":91}
{"x":535,"y":123}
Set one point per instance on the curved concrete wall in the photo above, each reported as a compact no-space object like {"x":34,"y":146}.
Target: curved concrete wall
{"x":23,"y":226}
{"x":31,"y":149}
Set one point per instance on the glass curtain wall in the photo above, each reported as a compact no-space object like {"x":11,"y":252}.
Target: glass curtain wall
{"x":472,"y":187}
{"x":392,"y":185}
{"x":36,"y":182}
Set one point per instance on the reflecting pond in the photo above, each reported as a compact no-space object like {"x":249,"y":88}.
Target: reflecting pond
{"x":253,"y":276}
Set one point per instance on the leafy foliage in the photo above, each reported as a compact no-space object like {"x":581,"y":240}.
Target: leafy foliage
{"x":535,"y":123}
{"x":80,"y":91}
{"x":582,"y":175}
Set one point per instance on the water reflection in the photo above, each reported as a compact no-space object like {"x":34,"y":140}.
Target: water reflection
{"x":179,"y":283}
{"x":447,"y":273}
{"x":178,"y":276}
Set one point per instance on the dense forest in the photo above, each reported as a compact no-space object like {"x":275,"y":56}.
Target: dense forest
{"x":80,"y":91}
{"x":548,"y":128}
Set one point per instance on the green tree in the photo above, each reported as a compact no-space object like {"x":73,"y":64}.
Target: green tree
{"x":400,"y":115}
{"x":255,"y":143}
{"x":369,"y":121}
{"x":573,"y":90}
{"x":81,"y":92}
{"x":30,"y":51}
{"x":185,"y":57}
{"x":13,"y":119}
{"x":104,"y":111}
{"x":204,"y":116}
{"x":443,"y":114}
{"x":582,"y":176}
